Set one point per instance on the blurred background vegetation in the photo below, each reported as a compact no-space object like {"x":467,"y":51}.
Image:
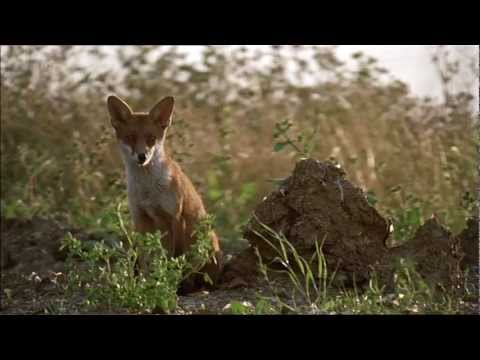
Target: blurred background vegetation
{"x":237,"y":128}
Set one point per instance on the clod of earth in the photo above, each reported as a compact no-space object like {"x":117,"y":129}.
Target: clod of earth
{"x":317,"y":203}
{"x":468,"y":242}
{"x":434,"y":251}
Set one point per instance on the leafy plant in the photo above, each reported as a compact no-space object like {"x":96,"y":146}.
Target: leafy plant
{"x":303,"y":144}
{"x":110,"y":276}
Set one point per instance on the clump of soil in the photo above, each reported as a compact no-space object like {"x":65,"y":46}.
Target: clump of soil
{"x":432,"y":249}
{"x":440,"y":257}
{"x":240,"y":271}
{"x":315,"y":204}
{"x":468,"y":249}
{"x":468,"y":242}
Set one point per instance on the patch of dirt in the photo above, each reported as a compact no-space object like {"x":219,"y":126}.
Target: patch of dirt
{"x":31,"y":263}
{"x":33,"y":266}
{"x":216,"y":302}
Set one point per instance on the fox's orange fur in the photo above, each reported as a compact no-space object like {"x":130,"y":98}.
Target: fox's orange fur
{"x":161,"y":197}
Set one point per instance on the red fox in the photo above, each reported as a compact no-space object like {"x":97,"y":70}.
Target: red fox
{"x":160,"y":196}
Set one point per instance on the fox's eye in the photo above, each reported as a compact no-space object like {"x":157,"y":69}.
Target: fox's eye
{"x":151,"y":139}
{"x":130,"y":138}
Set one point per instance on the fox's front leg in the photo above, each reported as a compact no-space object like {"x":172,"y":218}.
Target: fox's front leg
{"x":178,"y":232}
{"x":143,"y":224}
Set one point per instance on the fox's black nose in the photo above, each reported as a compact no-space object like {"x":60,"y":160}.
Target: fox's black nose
{"x":141,"y":158}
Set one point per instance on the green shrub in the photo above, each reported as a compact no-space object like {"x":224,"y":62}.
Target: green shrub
{"x":109,"y":274}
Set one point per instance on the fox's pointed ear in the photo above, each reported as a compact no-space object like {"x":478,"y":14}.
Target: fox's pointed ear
{"x":161,"y":113}
{"x":119,"y":111}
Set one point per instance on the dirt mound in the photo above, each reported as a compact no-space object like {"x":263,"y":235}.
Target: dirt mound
{"x":468,"y":242}
{"x":240,"y":271}
{"x":317,"y":203}
{"x":432,"y":250}
{"x":30,"y":245}
{"x":467,"y":245}
{"x":439,"y":256}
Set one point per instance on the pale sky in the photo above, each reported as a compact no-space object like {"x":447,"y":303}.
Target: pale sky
{"x":410,"y":63}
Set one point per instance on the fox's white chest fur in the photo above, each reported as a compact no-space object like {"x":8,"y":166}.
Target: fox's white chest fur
{"x":149,"y":189}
